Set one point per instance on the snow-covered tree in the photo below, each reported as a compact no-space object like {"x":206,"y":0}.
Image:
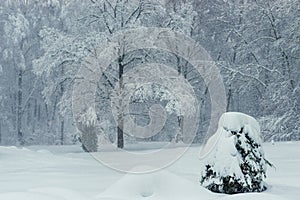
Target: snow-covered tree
{"x":255,"y":44}
{"x":166,"y":88}
{"x":236,"y":163}
{"x":16,"y":30}
{"x":24,"y":110}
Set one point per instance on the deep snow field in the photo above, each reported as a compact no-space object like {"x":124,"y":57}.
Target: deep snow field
{"x":67,"y":173}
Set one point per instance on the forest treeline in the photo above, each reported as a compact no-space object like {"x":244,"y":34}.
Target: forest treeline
{"x":254,"y":43}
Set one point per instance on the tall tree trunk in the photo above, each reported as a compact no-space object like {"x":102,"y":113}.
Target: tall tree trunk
{"x":229,"y":98}
{"x":180,"y":124}
{"x":181,"y":71}
{"x":62,"y":133}
{"x":62,"y":122}
{"x":19,"y":108}
{"x":120,"y":114}
{"x":120,"y":132}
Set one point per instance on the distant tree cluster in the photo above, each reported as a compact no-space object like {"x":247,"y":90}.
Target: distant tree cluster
{"x":255,"y":44}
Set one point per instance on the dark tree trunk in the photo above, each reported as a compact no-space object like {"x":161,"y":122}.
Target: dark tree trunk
{"x":62,"y":134}
{"x":120,"y":135}
{"x":120,"y":114}
{"x":62,"y":123}
{"x":229,"y":98}
{"x":180,"y":122}
{"x":181,"y":136}
{"x":19,"y":108}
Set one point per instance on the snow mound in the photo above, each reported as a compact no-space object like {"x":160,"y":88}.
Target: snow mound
{"x":159,"y":185}
{"x":13,"y":153}
{"x":235,"y":121}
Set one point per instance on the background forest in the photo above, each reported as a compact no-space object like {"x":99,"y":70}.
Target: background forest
{"x":255,"y":44}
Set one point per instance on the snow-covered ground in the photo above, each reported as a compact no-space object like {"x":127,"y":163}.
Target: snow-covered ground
{"x":67,"y":173}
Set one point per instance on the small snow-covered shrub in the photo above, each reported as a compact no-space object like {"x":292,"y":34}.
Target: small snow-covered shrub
{"x":236,"y":163}
{"x":87,"y":127}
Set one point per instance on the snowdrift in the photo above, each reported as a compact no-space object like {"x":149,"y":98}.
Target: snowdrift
{"x":161,"y":185}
